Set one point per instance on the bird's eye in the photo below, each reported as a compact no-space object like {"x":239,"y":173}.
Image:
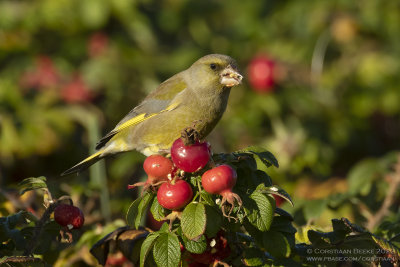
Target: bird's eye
{"x":213,"y":66}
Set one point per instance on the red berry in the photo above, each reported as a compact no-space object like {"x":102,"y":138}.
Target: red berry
{"x":68,"y":215}
{"x":76,"y":91}
{"x":98,"y":43}
{"x":158,"y":167}
{"x":220,"y":180}
{"x":44,"y":75}
{"x":152,"y":223}
{"x":117,"y":259}
{"x":174,"y":196}
{"x":190,"y":158}
{"x":261,"y":73}
{"x":48,"y":75}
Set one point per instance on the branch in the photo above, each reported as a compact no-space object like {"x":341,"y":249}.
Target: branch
{"x":394,"y":179}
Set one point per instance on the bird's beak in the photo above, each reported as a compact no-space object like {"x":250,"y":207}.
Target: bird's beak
{"x":230,"y":76}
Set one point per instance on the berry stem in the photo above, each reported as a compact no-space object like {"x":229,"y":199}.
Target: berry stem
{"x":197,"y":195}
{"x":199,"y":187}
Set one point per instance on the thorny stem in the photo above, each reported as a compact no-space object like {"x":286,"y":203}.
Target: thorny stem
{"x":389,"y":198}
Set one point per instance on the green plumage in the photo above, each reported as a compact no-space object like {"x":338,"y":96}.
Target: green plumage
{"x":196,"y":96}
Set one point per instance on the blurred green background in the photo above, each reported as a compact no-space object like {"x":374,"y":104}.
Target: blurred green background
{"x":321,"y":91}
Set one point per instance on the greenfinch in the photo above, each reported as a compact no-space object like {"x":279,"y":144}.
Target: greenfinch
{"x":194,"y":97}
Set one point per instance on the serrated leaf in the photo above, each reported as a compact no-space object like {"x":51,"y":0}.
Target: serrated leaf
{"x":32,"y":180}
{"x":137,"y":210}
{"x":157,"y":210}
{"x":282,"y":224}
{"x":261,"y":212}
{"x":32,"y":183}
{"x":318,"y":238}
{"x":262,"y":177}
{"x":266,"y":157}
{"x":164,"y":227}
{"x":193,"y":220}
{"x":284,"y":213}
{"x":166,"y":250}
{"x":147,"y":245}
{"x":197,"y":247}
{"x":276,"y":244}
{"x":213,"y":225}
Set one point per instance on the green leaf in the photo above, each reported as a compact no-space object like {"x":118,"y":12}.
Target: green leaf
{"x":284,"y":213}
{"x":262,"y":177}
{"x":157,"y":210}
{"x":197,"y":247}
{"x":266,"y":157}
{"x":215,"y":222}
{"x":147,"y":245}
{"x":276,"y":244}
{"x":21,"y":217}
{"x":207,"y":198}
{"x":164,"y":227}
{"x":137,"y":210}
{"x":253,"y":257}
{"x":260,"y":210}
{"x":193,"y":220}
{"x":32,"y":184}
{"x":48,"y":236}
{"x":282,"y":224}
{"x":318,"y":238}
{"x":167,"y":251}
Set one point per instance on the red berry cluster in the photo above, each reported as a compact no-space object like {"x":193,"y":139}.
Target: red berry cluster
{"x":174,"y":193}
{"x":45,"y":75}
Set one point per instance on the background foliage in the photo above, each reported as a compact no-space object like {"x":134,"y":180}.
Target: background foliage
{"x":70,"y":70}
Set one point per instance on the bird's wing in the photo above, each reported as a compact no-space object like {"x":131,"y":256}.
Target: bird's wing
{"x":159,"y":101}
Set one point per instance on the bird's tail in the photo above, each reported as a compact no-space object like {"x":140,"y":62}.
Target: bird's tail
{"x":84,"y":164}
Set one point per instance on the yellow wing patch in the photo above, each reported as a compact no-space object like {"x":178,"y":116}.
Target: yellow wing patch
{"x":142,"y":117}
{"x":131,"y":122}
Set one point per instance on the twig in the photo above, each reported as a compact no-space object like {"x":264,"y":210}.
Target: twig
{"x":389,"y":198}
{"x":19,"y":259}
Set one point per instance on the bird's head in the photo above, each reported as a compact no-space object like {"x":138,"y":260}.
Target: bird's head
{"x":218,"y":70}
